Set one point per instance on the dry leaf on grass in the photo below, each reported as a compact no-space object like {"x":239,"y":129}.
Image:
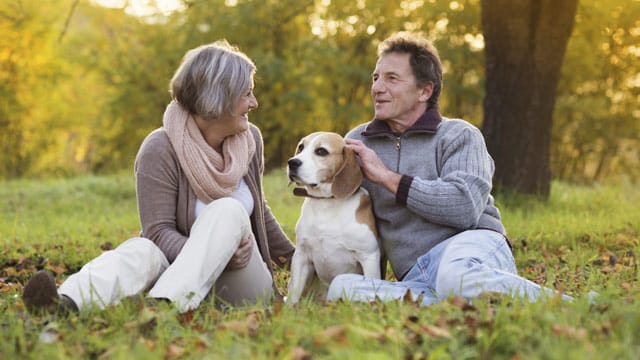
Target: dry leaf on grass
{"x":368,"y":334}
{"x":435,"y":331}
{"x":186,"y":317}
{"x":59,"y":270}
{"x":336,"y":333}
{"x":174,"y":351}
{"x":248,"y":326}
{"x":461,"y":303}
{"x":569,"y":331}
{"x":300,"y":353}
{"x":8,"y":287}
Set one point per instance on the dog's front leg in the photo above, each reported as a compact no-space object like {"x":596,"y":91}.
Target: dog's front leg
{"x":301,"y":271}
{"x":371,"y":265}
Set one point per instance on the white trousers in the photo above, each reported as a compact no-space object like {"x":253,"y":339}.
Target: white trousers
{"x":138,"y":264}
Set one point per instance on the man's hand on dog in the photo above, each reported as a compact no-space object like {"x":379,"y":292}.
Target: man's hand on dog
{"x":372,"y":167}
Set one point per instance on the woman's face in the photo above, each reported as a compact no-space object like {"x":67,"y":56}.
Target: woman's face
{"x":238,"y":120}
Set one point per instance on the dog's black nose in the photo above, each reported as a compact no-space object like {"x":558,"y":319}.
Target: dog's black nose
{"x":294,"y":163}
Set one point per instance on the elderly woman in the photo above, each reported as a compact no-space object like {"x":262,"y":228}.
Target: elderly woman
{"x":204,"y":219}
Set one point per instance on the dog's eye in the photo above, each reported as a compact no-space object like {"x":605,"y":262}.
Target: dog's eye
{"x":300,"y":148}
{"x":321,"y":152}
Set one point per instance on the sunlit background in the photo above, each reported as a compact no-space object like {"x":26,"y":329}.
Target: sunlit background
{"x":83,"y":81}
{"x":143,"y":7}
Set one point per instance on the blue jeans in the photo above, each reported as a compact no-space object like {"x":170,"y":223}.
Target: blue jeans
{"x":467,"y":264}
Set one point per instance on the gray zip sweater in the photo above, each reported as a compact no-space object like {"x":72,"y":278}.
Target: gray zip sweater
{"x":445,"y":188}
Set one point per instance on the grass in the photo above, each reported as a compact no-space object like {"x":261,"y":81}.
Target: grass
{"x":583,"y":238}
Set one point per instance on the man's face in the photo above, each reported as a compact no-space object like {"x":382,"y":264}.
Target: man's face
{"x":397,"y":98}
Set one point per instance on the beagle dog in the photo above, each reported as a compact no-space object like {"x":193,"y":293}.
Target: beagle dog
{"x":336,"y":231}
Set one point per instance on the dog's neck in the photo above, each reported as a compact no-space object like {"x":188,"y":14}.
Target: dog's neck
{"x":303,"y":193}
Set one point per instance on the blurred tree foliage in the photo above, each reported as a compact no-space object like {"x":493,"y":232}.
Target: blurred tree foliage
{"x":81,"y":84}
{"x":30,"y":106}
{"x":597,"y":117}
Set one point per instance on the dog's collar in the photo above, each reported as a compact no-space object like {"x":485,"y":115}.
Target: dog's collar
{"x":303,"y":192}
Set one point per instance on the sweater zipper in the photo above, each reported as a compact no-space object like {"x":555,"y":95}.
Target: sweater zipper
{"x":398,"y":150}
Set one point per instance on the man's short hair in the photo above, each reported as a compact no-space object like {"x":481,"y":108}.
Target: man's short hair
{"x":423,"y":58}
{"x":211,"y":79}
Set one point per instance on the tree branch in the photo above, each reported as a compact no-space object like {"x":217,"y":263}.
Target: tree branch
{"x":66,"y":23}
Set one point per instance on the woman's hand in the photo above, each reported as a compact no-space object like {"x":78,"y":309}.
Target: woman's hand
{"x":242,"y":255}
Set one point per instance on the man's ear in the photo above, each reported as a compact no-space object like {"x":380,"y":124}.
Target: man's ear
{"x":427,"y":91}
{"x":349,"y":177}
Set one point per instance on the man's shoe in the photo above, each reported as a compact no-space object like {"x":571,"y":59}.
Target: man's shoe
{"x":66,"y":305}
{"x":40,"y":295}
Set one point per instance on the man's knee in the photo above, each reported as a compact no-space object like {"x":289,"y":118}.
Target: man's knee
{"x":451,"y":276}
{"x":342,"y":285}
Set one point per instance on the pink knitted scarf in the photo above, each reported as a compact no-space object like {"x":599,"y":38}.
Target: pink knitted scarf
{"x":211,"y":175}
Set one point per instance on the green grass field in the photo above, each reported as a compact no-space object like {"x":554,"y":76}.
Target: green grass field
{"x":584,"y":238}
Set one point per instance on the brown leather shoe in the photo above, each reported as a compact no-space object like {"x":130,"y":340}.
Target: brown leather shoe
{"x":40,"y":295}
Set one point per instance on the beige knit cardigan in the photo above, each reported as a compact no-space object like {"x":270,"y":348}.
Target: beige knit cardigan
{"x":166,"y":202}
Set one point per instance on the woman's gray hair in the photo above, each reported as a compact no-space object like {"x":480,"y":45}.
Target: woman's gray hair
{"x":211,"y":79}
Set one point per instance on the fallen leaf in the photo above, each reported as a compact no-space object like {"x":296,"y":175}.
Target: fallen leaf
{"x":380,"y":336}
{"x":625,"y":285}
{"x":569,"y":331}
{"x":186,"y":317}
{"x":606,"y":327}
{"x":336,"y":333}
{"x":8,"y":287}
{"x":249,"y":326}
{"x":174,"y":351}
{"x":435,"y":331}
{"x":300,"y":353}
{"x":277,"y":307}
{"x":201,"y":344}
{"x":237,"y":326}
{"x":59,"y":270}
{"x":253,"y":320}
{"x":461,"y":303}
{"x":148,"y":343}
{"x":9,"y":271}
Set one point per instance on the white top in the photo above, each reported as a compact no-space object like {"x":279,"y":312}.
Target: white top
{"x":242,"y":194}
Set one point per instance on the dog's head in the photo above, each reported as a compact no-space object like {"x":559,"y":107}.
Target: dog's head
{"x":324,"y":166}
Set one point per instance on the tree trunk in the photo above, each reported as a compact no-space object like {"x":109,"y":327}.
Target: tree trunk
{"x":525,"y":42}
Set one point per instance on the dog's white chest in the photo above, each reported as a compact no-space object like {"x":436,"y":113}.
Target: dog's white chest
{"x":330,"y":237}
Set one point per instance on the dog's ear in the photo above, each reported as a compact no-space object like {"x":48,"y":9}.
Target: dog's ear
{"x":349,"y":176}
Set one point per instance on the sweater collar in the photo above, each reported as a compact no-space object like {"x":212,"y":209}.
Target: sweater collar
{"x":427,"y":123}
